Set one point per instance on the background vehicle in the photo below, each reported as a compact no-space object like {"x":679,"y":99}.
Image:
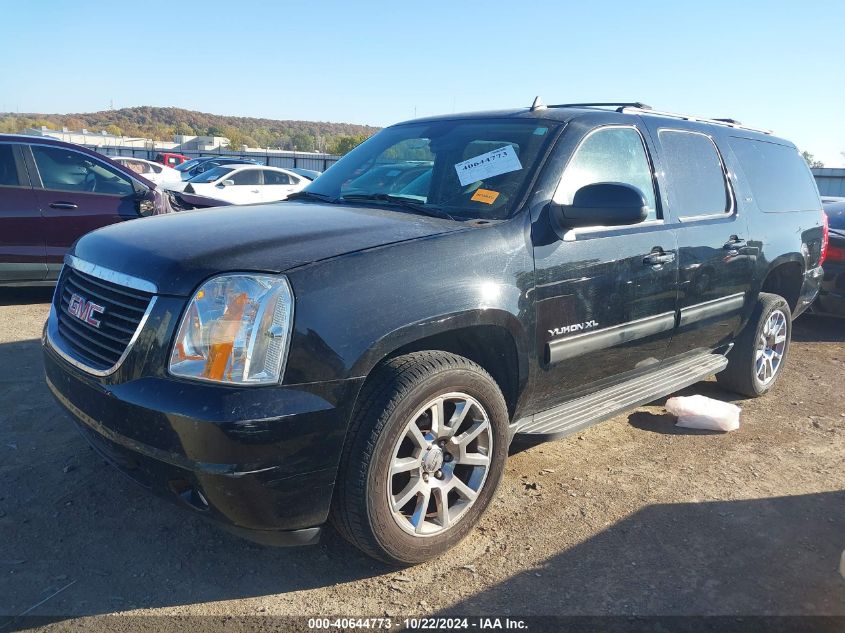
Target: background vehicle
{"x":310,"y":174}
{"x":246,"y":184}
{"x":154,"y":172}
{"x":197,"y":166}
{"x":52,"y":193}
{"x":389,"y":178}
{"x":832,"y":294}
{"x":365,"y":355}
{"x":170,"y":160}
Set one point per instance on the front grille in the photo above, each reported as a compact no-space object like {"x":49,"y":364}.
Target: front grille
{"x":123,"y":308}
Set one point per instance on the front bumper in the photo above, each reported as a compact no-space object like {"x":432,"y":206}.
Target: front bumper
{"x":260,"y":461}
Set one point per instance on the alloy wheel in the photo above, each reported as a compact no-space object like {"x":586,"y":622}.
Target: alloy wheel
{"x":771,"y":346}
{"x":439,"y":464}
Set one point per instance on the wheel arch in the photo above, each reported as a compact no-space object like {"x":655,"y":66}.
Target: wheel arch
{"x":494,"y":339}
{"x":785,"y":277}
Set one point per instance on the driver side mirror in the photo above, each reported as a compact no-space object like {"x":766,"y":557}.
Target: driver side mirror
{"x":600,"y":204}
{"x":226,"y":183}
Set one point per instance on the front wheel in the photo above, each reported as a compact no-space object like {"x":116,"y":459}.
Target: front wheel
{"x":757,"y":359}
{"x":426,"y":452}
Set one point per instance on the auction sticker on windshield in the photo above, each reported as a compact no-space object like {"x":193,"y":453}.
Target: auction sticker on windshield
{"x":485,"y":195}
{"x":499,"y":161}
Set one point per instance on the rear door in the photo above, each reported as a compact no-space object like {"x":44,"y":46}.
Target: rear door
{"x":76,"y":194}
{"x":247,"y":187}
{"x":715,"y":262}
{"x":277,"y":185}
{"x":605,"y":296}
{"x":22,"y":252}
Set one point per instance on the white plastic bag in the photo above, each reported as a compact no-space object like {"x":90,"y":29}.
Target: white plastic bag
{"x":701,"y":412}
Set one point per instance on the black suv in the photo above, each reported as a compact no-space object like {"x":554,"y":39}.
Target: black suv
{"x":368,"y":356}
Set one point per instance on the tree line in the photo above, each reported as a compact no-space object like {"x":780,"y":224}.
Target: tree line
{"x":163,"y":123}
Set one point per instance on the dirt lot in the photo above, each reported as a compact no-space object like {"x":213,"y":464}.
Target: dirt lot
{"x":633,"y":516}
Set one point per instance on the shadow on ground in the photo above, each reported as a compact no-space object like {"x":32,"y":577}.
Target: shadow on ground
{"x":811,"y":328}
{"x":776,"y":556}
{"x":25,"y":296}
{"x":66,"y":515}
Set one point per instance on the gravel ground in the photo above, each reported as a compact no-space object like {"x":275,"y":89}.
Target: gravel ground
{"x":633,"y":516}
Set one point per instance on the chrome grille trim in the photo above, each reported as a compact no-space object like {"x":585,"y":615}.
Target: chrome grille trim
{"x":107,"y":274}
{"x":62,"y":348}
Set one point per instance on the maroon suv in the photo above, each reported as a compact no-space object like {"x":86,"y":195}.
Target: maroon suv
{"x":51,"y":194}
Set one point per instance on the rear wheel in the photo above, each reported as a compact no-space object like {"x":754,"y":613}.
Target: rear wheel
{"x":756,"y":361}
{"x":426,"y":452}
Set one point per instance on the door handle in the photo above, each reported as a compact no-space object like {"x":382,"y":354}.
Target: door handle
{"x":658,"y":258}
{"x":62,"y":205}
{"x":256,"y":191}
{"x":734,"y":244}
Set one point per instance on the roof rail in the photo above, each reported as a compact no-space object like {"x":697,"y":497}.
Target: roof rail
{"x":727,"y":122}
{"x":619,"y":104}
{"x":647,"y":109}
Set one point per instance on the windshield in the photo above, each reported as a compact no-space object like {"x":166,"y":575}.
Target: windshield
{"x":465,"y":168}
{"x":189,"y":163}
{"x":212,"y":174}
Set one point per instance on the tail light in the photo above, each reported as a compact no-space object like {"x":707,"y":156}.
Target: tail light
{"x":835,"y":254}
{"x":825,"y":239}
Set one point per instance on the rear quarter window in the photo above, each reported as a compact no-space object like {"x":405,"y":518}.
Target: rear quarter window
{"x":779,"y":178}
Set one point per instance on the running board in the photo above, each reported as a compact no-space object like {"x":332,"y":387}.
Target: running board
{"x":577,"y":414}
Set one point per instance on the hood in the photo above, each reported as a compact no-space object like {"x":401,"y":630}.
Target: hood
{"x":177,"y":251}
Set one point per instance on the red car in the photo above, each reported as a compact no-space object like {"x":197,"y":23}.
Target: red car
{"x":171,"y":160}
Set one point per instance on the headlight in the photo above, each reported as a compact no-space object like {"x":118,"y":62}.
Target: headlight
{"x":236,"y":330}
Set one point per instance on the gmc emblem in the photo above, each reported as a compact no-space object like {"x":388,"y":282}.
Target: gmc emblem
{"x":84,"y":310}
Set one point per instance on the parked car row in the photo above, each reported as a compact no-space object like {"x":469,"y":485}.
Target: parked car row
{"x":197,"y":166}
{"x":150,"y":170}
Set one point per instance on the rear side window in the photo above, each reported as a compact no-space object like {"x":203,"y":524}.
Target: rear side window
{"x":693,"y":168}
{"x":246,"y":177}
{"x":276,"y":178}
{"x":8,"y":170}
{"x":137,"y":166}
{"x":778,"y":176}
{"x":614,"y":154}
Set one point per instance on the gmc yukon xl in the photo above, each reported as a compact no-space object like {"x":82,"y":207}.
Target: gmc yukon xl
{"x":366,"y":352}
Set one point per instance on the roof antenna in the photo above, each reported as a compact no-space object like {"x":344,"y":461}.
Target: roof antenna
{"x":538,"y":104}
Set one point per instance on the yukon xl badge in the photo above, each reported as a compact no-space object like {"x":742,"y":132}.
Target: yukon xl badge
{"x":84,"y":310}
{"x":575,"y":327}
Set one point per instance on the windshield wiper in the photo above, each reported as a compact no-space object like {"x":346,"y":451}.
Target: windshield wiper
{"x":407,"y":203}
{"x":311,"y":194}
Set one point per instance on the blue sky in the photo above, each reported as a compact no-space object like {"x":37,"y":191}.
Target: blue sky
{"x":771,"y":64}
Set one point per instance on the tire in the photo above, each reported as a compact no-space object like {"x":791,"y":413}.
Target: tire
{"x":403,"y":393}
{"x":745,"y":374}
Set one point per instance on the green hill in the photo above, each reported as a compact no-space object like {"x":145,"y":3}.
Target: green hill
{"x":163,"y":123}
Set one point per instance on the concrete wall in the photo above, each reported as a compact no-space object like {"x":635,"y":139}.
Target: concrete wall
{"x":191,"y":146}
{"x":272,"y":157}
